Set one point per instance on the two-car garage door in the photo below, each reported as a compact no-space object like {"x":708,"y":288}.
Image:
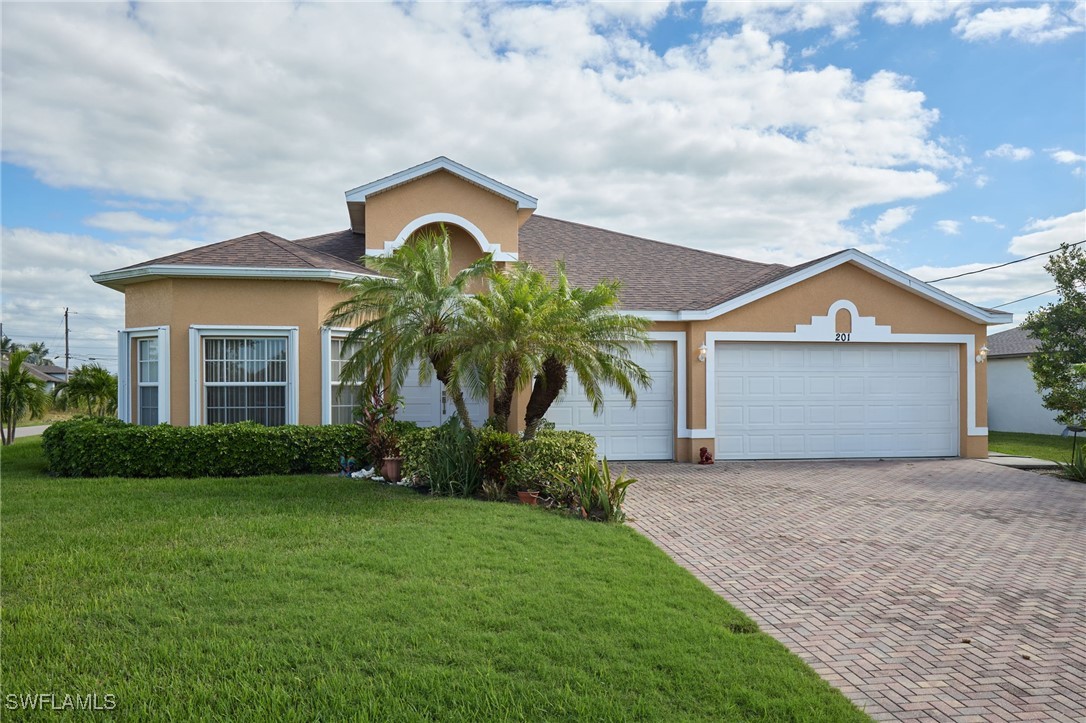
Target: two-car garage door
{"x":798,"y":400}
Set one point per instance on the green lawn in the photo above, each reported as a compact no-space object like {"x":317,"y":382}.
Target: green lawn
{"x":321,"y":598}
{"x":1041,"y":446}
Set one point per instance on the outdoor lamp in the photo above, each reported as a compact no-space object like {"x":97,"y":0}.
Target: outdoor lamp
{"x":702,"y":351}
{"x":982,"y":355}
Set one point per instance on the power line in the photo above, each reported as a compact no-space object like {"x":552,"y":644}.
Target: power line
{"x":999,"y":266}
{"x":1024,"y":298}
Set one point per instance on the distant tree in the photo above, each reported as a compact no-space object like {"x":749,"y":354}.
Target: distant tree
{"x":89,"y":387}
{"x":1059,"y":363}
{"x":7,"y":346}
{"x":20,"y":393}
{"x":39,"y":353}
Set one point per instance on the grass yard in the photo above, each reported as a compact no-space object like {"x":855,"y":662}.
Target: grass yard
{"x":322,"y":598}
{"x":1041,"y":446}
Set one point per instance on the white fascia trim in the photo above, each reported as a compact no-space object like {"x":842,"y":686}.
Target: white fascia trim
{"x":679,"y":338}
{"x":475,"y":231}
{"x":968,"y":340}
{"x":441,"y":163}
{"x":198,"y":331}
{"x":124,"y":370}
{"x":220,"y":272}
{"x":974,"y":313}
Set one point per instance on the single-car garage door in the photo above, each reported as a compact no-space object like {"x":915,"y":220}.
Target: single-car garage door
{"x":645,"y":432}
{"x":794,"y":401}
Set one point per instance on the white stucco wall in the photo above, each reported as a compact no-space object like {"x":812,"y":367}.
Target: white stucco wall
{"x":1014,"y":405}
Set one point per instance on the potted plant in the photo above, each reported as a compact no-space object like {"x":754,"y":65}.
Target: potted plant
{"x":391,"y":459}
{"x":528,"y":492}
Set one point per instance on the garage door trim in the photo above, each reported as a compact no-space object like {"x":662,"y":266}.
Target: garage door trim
{"x":864,"y":330}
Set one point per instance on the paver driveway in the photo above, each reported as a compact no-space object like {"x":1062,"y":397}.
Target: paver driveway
{"x":928,"y":589}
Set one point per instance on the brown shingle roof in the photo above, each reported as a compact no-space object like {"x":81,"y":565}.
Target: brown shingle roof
{"x":1013,"y":342}
{"x":655,"y":275}
{"x":346,"y":245}
{"x":259,"y":250}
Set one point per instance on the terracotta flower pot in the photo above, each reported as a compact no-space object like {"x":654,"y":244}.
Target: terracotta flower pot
{"x":392,"y":468}
{"x":528,"y":498}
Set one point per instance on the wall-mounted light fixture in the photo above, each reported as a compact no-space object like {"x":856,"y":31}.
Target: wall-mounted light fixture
{"x":982,"y":355}
{"x":702,"y":352}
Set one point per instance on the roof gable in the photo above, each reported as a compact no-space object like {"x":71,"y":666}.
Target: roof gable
{"x":441,"y":163}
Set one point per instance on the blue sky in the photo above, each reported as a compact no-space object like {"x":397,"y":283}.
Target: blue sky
{"x":938,"y":137}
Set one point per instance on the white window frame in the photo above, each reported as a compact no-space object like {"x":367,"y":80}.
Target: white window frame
{"x":125,"y":340}
{"x":328,"y":333}
{"x":197,"y":333}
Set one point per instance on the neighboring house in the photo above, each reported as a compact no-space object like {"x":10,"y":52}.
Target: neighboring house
{"x":48,"y":373}
{"x":1014,"y":404}
{"x":843,"y":356}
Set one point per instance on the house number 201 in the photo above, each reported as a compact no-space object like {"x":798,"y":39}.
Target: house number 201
{"x":843,"y":337}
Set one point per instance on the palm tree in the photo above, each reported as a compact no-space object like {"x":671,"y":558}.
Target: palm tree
{"x":504,"y":335}
{"x":19,"y":393}
{"x":408,"y":315}
{"x":590,"y":336}
{"x":7,"y":346}
{"x":90,"y":386}
{"x":39,"y":353}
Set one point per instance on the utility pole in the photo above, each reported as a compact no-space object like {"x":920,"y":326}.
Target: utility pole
{"x":67,"y":354}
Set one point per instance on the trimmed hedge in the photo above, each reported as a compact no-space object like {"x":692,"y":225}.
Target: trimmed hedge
{"x":89,"y":447}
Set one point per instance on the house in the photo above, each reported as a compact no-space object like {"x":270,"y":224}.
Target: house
{"x":51,"y":374}
{"x":843,"y":356}
{"x":1014,"y":404}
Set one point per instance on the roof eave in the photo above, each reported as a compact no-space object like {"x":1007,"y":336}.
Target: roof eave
{"x":889,"y":273}
{"x":120,"y":278}
{"x":441,"y":163}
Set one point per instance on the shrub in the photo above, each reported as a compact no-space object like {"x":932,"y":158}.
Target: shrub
{"x":600,"y":496}
{"x":551,"y":459}
{"x":1076,"y":468}
{"x":85,"y":447}
{"x":415,"y":449}
{"x":499,"y":455}
{"x":450,"y":463}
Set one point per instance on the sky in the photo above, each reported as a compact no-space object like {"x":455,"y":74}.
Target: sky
{"x":939,"y":137}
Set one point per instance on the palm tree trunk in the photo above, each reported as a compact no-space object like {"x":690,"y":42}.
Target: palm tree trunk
{"x":461,"y":407}
{"x":545,"y":389}
{"x":503,"y":401}
{"x":442,"y":368}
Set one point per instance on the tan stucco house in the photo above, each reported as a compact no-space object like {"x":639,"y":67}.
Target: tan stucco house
{"x":843,"y":356}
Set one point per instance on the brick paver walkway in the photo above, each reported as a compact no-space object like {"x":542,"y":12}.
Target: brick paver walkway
{"x":930,"y":589}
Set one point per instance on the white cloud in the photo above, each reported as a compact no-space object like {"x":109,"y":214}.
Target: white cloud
{"x":780,"y":17}
{"x":987,"y":220}
{"x":950,"y":228}
{"x":259,"y":116}
{"x":1033,"y":24}
{"x":1009,"y":152}
{"x":129,"y":222}
{"x":981,"y":181}
{"x":1048,"y":233}
{"x":44,"y":272}
{"x":897,"y":12}
{"x":1008,"y":283}
{"x":1062,"y":156}
{"x":892,"y":219}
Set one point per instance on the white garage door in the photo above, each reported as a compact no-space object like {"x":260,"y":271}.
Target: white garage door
{"x":792,"y":401}
{"x":428,"y":406}
{"x":645,"y":432}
